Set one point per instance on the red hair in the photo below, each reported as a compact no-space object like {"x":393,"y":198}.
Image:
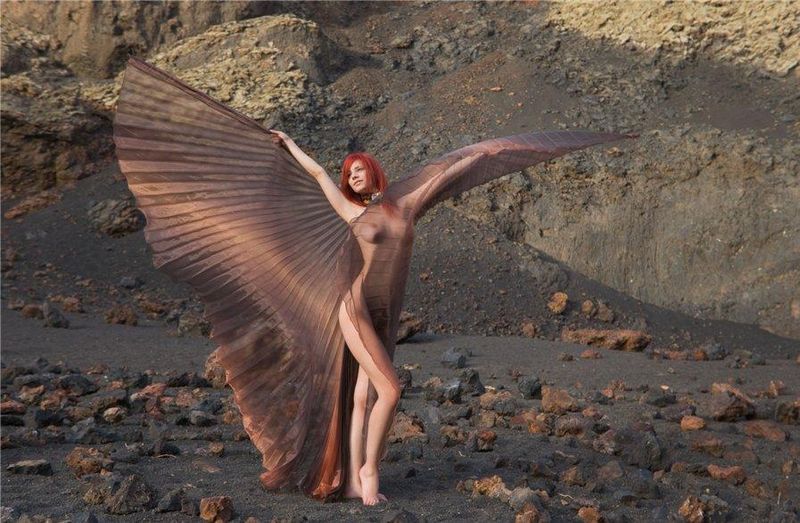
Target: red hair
{"x":375,"y":175}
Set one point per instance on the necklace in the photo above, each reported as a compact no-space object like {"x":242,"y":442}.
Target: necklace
{"x":373,"y":198}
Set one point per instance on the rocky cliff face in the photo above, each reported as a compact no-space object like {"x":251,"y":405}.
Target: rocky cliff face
{"x":699,"y":215}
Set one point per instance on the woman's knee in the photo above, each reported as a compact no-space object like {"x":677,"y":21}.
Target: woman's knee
{"x":391,"y":392}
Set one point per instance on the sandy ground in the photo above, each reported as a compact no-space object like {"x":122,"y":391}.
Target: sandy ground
{"x":426,"y":486}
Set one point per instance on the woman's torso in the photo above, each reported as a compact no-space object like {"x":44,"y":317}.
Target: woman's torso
{"x":385,"y":237}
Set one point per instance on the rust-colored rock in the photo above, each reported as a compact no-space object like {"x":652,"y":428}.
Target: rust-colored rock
{"x":409,"y":325}
{"x":616,"y":339}
{"x":588,"y":308}
{"x":530,"y":513}
{"x":12,"y":407}
{"x":709,"y":445}
{"x":735,"y":475}
{"x":214,"y":372}
{"x":590,"y":515}
{"x":729,"y":403}
{"x":788,"y":412}
{"x":121,"y":315}
{"x":590,"y":354}
{"x":692,"y":423}
{"x":492,"y":487}
{"x":558,"y":303}
{"x":217,"y":509}
{"x":87,"y":460}
{"x":528,"y":329}
{"x":406,"y":428}
{"x":557,"y":401}
{"x":765,"y":429}
{"x":757,"y":489}
{"x":604,"y":312}
{"x":33,"y":311}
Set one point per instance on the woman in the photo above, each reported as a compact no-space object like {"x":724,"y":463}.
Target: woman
{"x":303,"y":287}
{"x":362,"y":183}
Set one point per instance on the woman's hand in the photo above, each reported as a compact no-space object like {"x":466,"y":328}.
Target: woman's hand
{"x":280,"y":138}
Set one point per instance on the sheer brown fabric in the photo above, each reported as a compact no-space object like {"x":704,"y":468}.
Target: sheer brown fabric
{"x":237,"y":218}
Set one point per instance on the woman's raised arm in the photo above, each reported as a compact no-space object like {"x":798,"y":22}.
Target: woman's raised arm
{"x":343,"y":207}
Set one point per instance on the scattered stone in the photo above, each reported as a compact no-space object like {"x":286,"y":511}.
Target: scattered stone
{"x":588,"y":308}
{"x":32,"y":311}
{"x":130,"y":282}
{"x":590,"y":354}
{"x":565,"y":356}
{"x":572,"y":425}
{"x":788,"y":412}
{"x":610,"y":471}
{"x":658,"y":398}
{"x":451,"y":435}
{"x":53,"y":317}
{"x":702,"y":509}
{"x":491,"y":487}
{"x":528,"y":329}
{"x":453,"y":358}
{"x":532,"y":513}
{"x":12,"y":407}
{"x":481,"y":441}
{"x":765,"y":429}
{"x":624,"y":339}
{"x":409,"y":326}
{"x":520,"y":496}
{"x":757,"y":489}
{"x":194,"y":324}
{"x":590,"y":515}
{"x":729,"y":403}
{"x":558,"y":303}
{"x":557,"y":401}
{"x":471,"y":382}
{"x":115,"y":414}
{"x":604,"y":312}
{"x":40,"y":467}
{"x":405,"y":378}
{"x":76,"y":384}
{"x":735,"y":475}
{"x":406,"y":428}
{"x":187,"y":379}
{"x":713,"y":350}
{"x":87,"y":432}
{"x":692,"y":423}
{"x":710,"y":445}
{"x":530,"y":387}
{"x":87,"y":460}
{"x":637,"y":444}
{"x":116,"y":218}
{"x":133,"y":495}
{"x":218,"y":509}
{"x":171,"y":501}
{"x":121,"y":315}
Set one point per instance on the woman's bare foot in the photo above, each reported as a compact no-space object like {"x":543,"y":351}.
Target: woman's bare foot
{"x":355,"y":493}
{"x":369,"y":486}
{"x":352,"y":491}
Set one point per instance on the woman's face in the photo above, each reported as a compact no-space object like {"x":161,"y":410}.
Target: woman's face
{"x":357,"y":179}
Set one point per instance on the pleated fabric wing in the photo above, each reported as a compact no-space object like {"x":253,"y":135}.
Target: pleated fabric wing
{"x":235,"y":216}
{"x":462,"y":169}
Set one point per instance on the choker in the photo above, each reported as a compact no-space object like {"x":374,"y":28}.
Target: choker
{"x":373,"y":198}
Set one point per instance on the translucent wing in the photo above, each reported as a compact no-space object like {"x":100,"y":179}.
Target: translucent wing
{"x":462,"y":169}
{"x":235,"y":216}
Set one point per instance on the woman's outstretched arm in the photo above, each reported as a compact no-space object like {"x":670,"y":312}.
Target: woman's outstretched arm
{"x":343,"y":207}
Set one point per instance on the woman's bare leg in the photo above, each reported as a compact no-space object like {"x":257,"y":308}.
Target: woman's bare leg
{"x":353,"y":487}
{"x":388,"y":388}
